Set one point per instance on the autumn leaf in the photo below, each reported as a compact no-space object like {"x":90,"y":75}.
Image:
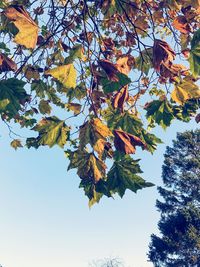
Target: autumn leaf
{"x":185,"y":90}
{"x":126,"y":142}
{"x":162,"y":53}
{"x":65,"y":74}
{"x":44,"y":107}
{"x":88,"y":165}
{"x":3,"y":104}
{"x":75,"y":107}
{"x":51,"y":131}
{"x":125,"y":63}
{"x":16,"y":143}
{"x":7,"y":64}
{"x":120,"y":98}
{"x":28,"y":29}
{"x":91,"y":132}
{"x":181,"y":24}
{"x":32,"y":73}
{"x":110,"y":70}
{"x":197,"y":118}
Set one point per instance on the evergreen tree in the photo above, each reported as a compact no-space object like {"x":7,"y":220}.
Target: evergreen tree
{"x":179,"y":242}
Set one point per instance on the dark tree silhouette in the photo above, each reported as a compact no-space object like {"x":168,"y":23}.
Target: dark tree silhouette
{"x":179,"y":242}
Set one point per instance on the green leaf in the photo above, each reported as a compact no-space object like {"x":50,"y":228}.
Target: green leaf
{"x":124,"y":175}
{"x":110,"y":86}
{"x":44,"y":107}
{"x":194,"y":58}
{"x":52,"y":131}
{"x":13,"y":93}
{"x":160,"y":112}
{"x":90,"y":192}
{"x":75,"y":52}
{"x":144,"y":61}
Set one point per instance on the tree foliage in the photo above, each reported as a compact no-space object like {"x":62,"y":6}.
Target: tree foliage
{"x":179,"y":243}
{"x":84,"y":74}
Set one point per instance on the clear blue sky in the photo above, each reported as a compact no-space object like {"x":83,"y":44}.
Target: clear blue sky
{"x":45,"y":220}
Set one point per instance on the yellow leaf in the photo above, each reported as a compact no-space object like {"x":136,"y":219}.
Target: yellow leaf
{"x":28,"y":29}
{"x":76,"y":108}
{"x":62,"y":2}
{"x":184,"y":91}
{"x":65,"y":74}
{"x":100,"y":146}
{"x":97,"y":167}
{"x":101,"y":128}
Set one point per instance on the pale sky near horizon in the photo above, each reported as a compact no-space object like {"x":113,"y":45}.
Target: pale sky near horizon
{"x":45,"y":220}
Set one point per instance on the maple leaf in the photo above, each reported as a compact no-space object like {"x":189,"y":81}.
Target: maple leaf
{"x":125,"y":63}
{"x":52,"y":131}
{"x":75,"y":107}
{"x":197,"y":118}
{"x":194,"y":58}
{"x":7,"y":64}
{"x":162,"y":53}
{"x":144,"y":60}
{"x":12,"y":90}
{"x":120,"y":98}
{"x":126,"y":142}
{"x":65,"y":74}
{"x":31,"y":73}
{"x":123,"y":175}
{"x":91,"y":132}
{"x":16,"y":143}
{"x":88,"y":165}
{"x":159,"y":111}
{"x":44,"y":107}
{"x":28,"y":29}
{"x":181,"y":24}
{"x":169,"y":70}
{"x":110,"y":69}
{"x":185,"y":90}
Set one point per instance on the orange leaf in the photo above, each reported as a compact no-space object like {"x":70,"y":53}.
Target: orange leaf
{"x":180,"y":23}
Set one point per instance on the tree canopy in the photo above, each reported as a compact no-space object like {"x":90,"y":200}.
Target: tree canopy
{"x":179,"y":242}
{"x":94,"y":77}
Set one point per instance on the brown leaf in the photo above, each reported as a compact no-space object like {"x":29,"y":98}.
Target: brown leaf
{"x":162,"y":53}
{"x":124,"y":64}
{"x":110,"y":70}
{"x":120,"y":98}
{"x":197,"y":118}
{"x":7,"y":64}
{"x":169,"y":70}
{"x":180,"y":23}
{"x":126,"y":142}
